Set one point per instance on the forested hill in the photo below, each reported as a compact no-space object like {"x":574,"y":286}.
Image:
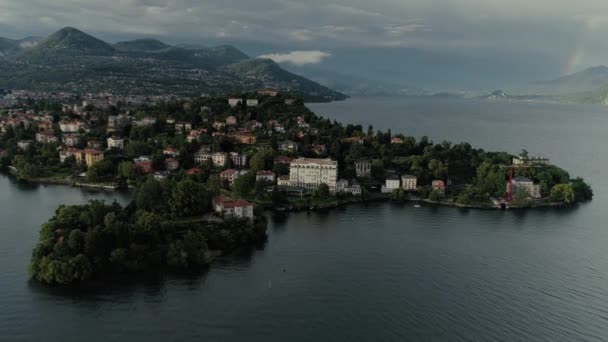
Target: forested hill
{"x":71,"y":60}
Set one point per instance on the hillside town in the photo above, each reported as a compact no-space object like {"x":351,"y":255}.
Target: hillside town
{"x":263,"y":148}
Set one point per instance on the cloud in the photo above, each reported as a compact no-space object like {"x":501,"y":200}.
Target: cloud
{"x":298,"y":57}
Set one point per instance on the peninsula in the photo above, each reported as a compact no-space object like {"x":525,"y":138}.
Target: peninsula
{"x":202,"y":169}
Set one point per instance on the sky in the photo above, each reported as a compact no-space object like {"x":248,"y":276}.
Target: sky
{"x":527,"y":38}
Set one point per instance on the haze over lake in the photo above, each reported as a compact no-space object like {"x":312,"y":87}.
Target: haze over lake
{"x":382,"y":272}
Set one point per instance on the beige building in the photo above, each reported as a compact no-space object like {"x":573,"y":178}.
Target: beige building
{"x":116,"y":142}
{"x":409,"y":182}
{"x":309,"y":173}
{"x":89,"y":156}
{"x":526,"y":184}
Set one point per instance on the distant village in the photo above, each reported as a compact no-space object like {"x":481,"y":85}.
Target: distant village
{"x":286,"y":153}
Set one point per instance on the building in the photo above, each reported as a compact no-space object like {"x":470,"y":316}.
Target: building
{"x":354,"y":140}
{"x":363,"y":168}
{"x":409,"y":182}
{"x":89,"y":156}
{"x":171,"y":152}
{"x":238,"y":160}
{"x":524,"y":183}
{"x":309,"y":173}
{"x":219,"y":159}
{"x":71,"y":126}
{"x":396,"y":141}
{"x":24,"y":144}
{"x":268,"y":92}
{"x":252,"y":102}
{"x":195,"y":135}
{"x":231,"y":120}
{"x":392,"y":183}
{"x":283,"y":181}
{"x":343,"y":186}
{"x":146,"y":121}
{"x":46,"y":137}
{"x":231,"y":208}
{"x":244,"y":138}
{"x":234,"y":102}
{"x":530,"y":161}
{"x":283,"y":160}
{"x":116,"y":142}
{"x":68,"y":153}
{"x":171,"y":164}
{"x":218,"y":125}
{"x":71,"y":139}
{"x":231,"y":175}
{"x":265,"y":175}
{"x":118,"y":121}
{"x":143,"y":165}
{"x":319,"y":149}
{"x":183,"y":126}
{"x":289,"y":147}
{"x":439,"y":186}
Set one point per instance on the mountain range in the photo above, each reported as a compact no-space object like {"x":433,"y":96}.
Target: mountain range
{"x":71,"y":60}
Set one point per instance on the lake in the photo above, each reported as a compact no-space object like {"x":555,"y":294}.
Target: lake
{"x":383,"y":272}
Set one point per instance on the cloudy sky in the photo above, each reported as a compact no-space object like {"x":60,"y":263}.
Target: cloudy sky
{"x":551,"y":36}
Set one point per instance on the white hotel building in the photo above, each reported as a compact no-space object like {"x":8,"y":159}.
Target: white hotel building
{"x":309,"y":173}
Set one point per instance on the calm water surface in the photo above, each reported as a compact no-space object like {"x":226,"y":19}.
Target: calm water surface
{"x":383,"y":272}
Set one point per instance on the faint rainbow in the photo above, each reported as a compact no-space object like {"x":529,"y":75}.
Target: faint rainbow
{"x":576,"y":57}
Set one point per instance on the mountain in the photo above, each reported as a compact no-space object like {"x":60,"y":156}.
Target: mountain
{"x":66,"y":43}
{"x":148,"y":45}
{"x":260,"y":71}
{"x":11,"y":47}
{"x":587,"y":80}
{"x":71,"y":60}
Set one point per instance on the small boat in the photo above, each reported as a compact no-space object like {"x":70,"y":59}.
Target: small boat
{"x":416,"y":205}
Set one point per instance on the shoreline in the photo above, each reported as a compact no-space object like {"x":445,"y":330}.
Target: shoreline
{"x":299,"y":208}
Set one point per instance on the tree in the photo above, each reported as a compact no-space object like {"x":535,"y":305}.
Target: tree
{"x":582,"y":190}
{"x":149,"y":195}
{"x":244,"y":184}
{"x":126,"y":170}
{"x":189,"y":198}
{"x":323,"y":191}
{"x":563,"y":193}
{"x":521,"y":198}
{"x":435,"y":196}
{"x":262,"y":160}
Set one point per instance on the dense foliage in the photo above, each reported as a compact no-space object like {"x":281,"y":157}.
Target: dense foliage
{"x":81,"y":242}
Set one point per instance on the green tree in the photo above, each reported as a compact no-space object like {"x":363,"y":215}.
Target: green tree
{"x":323,"y":191}
{"x":563,"y":193}
{"x":521,"y":198}
{"x":245,"y":184}
{"x":189,"y":198}
{"x":126,"y":170}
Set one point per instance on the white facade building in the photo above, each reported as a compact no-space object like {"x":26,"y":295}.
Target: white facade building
{"x":309,"y":173}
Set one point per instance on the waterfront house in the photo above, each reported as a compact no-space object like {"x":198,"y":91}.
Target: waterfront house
{"x":392,"y":183}
{"x":526,"y":184}
{"x":409,"y":182}
{"x":310,"y":173}
{"x":439,"y":186}
{"x":232,"y":208}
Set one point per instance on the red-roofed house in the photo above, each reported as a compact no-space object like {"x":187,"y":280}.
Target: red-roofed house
{"x":233,"y":208}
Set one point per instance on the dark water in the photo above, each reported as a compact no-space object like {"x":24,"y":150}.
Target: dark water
{"x":379,"y":273}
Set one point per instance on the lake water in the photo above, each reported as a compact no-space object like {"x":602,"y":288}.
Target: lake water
{"x":382,"y":272}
